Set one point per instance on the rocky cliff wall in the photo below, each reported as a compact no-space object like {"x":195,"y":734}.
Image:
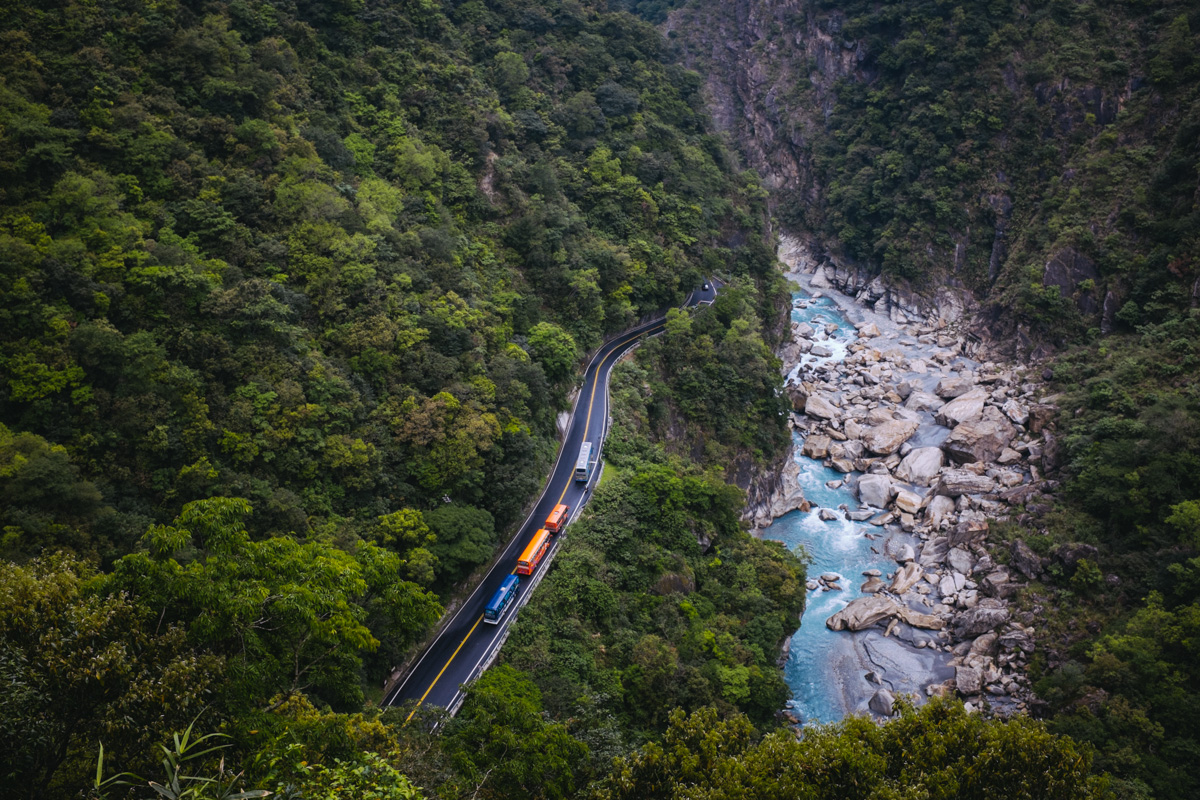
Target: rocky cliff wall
{"x":1018,"y":160}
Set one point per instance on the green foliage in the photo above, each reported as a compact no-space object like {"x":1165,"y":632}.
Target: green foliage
{"x":289,"y":617}
{"x":658,"y":599}
{"x":465,"y":538}
{"x":938,"y":751}
{"x":176,"y":784}
{"x":554,"y":348}
{"x":74,"y":664}
{"x":502,"y":743}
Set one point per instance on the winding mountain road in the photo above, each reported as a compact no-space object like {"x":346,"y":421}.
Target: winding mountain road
{"x":466,"y":644}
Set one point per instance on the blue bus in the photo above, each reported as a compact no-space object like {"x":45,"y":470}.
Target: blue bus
{"x":583,"y":465}
{"x":501,"y":600}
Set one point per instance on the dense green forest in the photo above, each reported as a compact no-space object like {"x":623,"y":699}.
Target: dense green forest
{"x":1071,"y":129}
{"x":291,"y":293}
{"x":1047,"y":156}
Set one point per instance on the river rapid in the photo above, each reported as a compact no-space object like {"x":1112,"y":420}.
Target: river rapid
{"x":833,"y":674}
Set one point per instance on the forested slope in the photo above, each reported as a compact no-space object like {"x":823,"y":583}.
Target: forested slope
{"x":292,"y":294}
{"x":1045,"y":156}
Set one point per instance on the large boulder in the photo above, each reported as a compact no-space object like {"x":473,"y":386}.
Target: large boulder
{"x":959,"y":560}
{"x":816,"y":446}
{"x":906,"y":577}
{"x":923,"y":401}
{"x":956,"y":482}
{"x":961,"y":409}
{"x":886,"y":439}
{"x":939,"y":508}
{"x":986,"y":616}
{"x":882,"y":703}
{"x":908,"y":502}
{"x":820,"y":408}
{"x":875,"y":490}
{"x":1040,"y":415}
{"x":982,"y":439}
{"x":950,"y":388}
{"x":869,"y":331}
{"x":921,"y":465}
{"x":1025,"y":560}
{"x":968,"y":680}
{"x":864,"y":612}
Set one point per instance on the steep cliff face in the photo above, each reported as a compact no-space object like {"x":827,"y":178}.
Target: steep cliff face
{"x":1043,"y":159}
{"x":769,"y":69}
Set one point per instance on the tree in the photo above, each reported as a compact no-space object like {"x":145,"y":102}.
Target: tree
{"x":554,"y":348}
{"x":290,"y":617}
{"x":73,"y":663}
{"x":465,"y":538}
{"x":938,"y":751}
{"x":501,"y":740}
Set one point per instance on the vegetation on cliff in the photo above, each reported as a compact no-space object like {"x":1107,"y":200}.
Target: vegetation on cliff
{"x":291,"y":294}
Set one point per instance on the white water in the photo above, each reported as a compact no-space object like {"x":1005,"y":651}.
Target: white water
{"x":827,"y":670}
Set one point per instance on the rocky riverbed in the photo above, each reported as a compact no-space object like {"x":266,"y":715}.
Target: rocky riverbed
{"x":907,"y":448}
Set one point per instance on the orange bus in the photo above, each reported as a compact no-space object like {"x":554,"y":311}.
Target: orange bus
{"x":558,"y":518}
{"x":532,"y":556}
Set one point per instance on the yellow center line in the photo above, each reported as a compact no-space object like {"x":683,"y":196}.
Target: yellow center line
{"x":447,"y":666}
{"x":586,"y":427}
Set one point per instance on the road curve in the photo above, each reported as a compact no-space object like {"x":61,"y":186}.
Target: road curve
{"x":466,"y":642}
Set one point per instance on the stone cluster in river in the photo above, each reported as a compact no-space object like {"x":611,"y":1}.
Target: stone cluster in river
{"x":857,"y":416}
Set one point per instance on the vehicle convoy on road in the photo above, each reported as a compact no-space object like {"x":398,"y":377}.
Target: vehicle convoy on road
{"x":464,"y":646}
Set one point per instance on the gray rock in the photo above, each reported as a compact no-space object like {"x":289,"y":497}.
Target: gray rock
{"x":882,"y":703}
{"x":923,"y":401}
{"x":939,"y":508}
{"x":968,"y":680}
{"x":816,"y":446}
{"x":821,"y":351}
{"x":1040,"y":415}
{"x":1025,"y":560}
{"x":887,"y":437}
{"x":1008,"y":456}
{"x":805,"y":330}
{"x":950,"y":388}
{"x":906,"y":577}
{"x":988,"y":615}
{"x":980,"y":439}
{"x":869,"y":331}
{"x":864,"y":612}
{"x":875,"y":490}
{"x":1017,"y":411}
{"x":956,"y":482}
{"x":985,"y":645}
{"x":961,"y":409}
{"x":921,"y":465}
{"x":959,"y":560}
{"x":1017,"y":639}
{"x":906,"y":554}
{"x":908,"y":502}
{"x":872,"y":585}
{"x":820,"y":408}
{"x":827,"y":515}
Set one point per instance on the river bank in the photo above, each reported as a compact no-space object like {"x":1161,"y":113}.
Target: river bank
{"x":904,"y":449}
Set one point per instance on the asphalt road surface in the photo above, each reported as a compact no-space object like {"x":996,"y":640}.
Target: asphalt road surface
{"x":467,"y":642}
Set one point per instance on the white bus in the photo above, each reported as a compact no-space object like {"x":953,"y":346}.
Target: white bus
{"x":583,"y":466}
